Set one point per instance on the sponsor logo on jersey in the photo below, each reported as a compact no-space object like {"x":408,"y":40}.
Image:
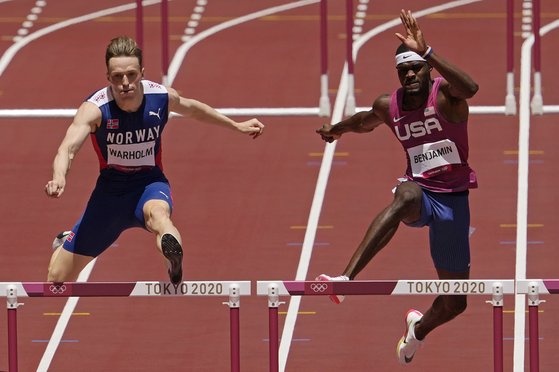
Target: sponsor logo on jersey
{"x":152,"y":113}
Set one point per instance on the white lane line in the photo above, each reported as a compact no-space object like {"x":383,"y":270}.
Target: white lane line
{"x":62,"y":323}
{"x":6,"y":59}
{"x":4,"y":62}
{"x":180,"y":54}
{"x":312,"y":225}
{"x":522,"y":194}
{"x":31,"y":18}
{"x":10,"y":53}
{"x":194,"y":20}
{"x":316,"y":206}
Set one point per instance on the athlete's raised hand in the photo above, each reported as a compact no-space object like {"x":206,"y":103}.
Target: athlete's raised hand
{"x":413,"y":37}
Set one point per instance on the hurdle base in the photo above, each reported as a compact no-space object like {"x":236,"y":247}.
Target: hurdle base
{"x":510,"y":104}
{"x":324,"y":107}
{"x":537,"y":104}
{"x":350,"y":106}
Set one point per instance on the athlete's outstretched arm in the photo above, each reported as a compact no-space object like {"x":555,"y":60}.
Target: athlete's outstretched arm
{"x":361,"y":122}
{"x":87,"y":117}
{"x":203,"y":112}
{"x":461,"y":85}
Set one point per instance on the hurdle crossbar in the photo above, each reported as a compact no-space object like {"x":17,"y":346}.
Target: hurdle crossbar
{"x":495,"y":288}
{"x":258,"y":111}
{"x":533,"y":288}
{"x":232,"y":289}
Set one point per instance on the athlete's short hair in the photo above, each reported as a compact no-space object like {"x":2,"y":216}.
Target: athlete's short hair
{"x":402,"y":48}
{"x":123,"y":46}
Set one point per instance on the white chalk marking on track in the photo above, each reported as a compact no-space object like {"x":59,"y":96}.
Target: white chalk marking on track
{"x":62,"y":323}
{"x":522,"y":194}
{"x":181,"y":52}
{"x":4,"y":62}
{"x":10,"y":53}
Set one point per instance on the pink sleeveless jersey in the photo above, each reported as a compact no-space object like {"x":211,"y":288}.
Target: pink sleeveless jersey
{"x":436,"y":150}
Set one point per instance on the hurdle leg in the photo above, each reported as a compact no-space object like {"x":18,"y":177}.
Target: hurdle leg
{"x":533,"y":308}
{"x":140,"y":24}
{"x":498,"y":338}
{"x":510,"y":99}
{"x":234,"y":326}
{"x":534,"y":339}
{"x":164,"y":41}
{"x":12,"y":306}
{"x":537,"y":99}
{"x":324,"y":103}
{"x":273,"y":304}
{"x":350,"y":99}
{"x":497,"y":302}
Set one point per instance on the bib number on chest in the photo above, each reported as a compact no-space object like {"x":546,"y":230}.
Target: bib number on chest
{"x":430,"y":159}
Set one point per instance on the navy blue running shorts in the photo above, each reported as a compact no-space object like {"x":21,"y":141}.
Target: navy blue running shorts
{"x":116,"y":204}
{"x":448,"y":218}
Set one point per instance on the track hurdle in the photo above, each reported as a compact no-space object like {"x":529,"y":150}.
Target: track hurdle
{"x":233,"y":289}
{"x":494,"y":288}
{"x":510,"y":99}
{"x":537,"y":99}
{"x":324,"y":102}
{"x":533,"y":288}
{"x":139,"y":25}
{"x":350,"y":99}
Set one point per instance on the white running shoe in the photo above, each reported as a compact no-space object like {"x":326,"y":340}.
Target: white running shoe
{"x":337,"y":299}
{"x":408,"y":344}
{"x":60,"y":239}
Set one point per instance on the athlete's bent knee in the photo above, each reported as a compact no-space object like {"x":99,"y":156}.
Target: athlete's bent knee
{"x":156,"y":216}
{"x":407,"y":200}
{"x":57,"y":275}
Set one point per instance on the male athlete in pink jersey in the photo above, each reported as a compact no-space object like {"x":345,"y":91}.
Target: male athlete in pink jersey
{"x":125,"y":121}
{"x":429,"y":117}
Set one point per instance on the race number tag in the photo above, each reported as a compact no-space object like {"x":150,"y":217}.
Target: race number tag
{"x":430,"y":159}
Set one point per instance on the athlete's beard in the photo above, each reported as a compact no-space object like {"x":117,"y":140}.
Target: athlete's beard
{"x":423,"y":89}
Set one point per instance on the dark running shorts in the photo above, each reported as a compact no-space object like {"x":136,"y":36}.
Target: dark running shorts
{"x":116,"y":205}
{"x":448,"y":218}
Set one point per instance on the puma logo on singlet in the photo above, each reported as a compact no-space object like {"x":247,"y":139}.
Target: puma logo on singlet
{"x":151,"y":113}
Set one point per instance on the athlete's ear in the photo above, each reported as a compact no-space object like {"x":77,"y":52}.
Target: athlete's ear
{"x":142,"y":72}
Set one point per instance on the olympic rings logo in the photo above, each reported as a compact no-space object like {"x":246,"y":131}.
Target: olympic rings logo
{"x":57,"y":289}
{"x":319,"y":287}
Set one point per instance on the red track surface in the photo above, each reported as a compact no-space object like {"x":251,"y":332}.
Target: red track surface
{"x":237,"y":200}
